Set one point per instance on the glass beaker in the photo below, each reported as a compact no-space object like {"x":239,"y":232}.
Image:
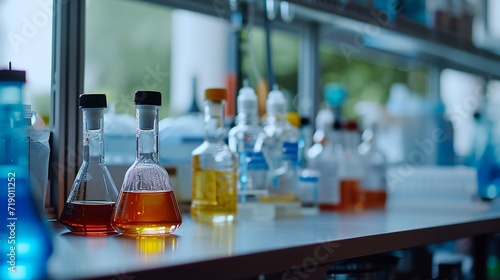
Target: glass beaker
{"x":91,"y":201}
{"x":147,"y":204}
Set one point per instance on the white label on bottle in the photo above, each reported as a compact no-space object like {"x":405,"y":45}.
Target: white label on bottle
{"x":328,"y":183}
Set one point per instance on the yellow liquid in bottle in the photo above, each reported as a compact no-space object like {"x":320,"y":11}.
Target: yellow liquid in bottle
{"x":214,"y":196}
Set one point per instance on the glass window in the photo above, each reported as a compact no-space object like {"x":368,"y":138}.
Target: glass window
{"x":369,"y":80}
{"x":27,"y":43}
{"x":180,"y":53}
{"x":285,"y":55}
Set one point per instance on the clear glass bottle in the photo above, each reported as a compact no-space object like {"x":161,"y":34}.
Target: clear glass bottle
{"x":327,"y":164}
{"x":351,"y":170}
{"x":305,"y":141}
{"x":146,"y":204}
{"x":214,"y":167}
{"x":373,"y":184}
{"x":91,"y":201}
{"x":246,"y":139}
{"x":281,"y":148}
{"x":324,"y":123}
{"x":26,"y":244}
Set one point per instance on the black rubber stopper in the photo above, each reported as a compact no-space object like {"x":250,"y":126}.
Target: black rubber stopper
{"x":12,"y":76}
{"x":146,"y":97}
{"x":93,"y":100}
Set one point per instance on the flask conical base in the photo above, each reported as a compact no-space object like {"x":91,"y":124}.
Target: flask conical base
{"x":147,"y":213}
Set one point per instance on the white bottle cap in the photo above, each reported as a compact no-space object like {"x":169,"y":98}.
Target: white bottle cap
{"x":247,"y":100}
{"x":276,"y":102}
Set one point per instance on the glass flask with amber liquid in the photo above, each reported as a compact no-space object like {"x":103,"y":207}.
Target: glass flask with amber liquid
{"x":146,"y":204}
{"x":214,"y":185}
{"x":91,"y":202}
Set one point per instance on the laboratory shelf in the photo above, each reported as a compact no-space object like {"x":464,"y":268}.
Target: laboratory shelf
{"x":401,"y":36}
{"x":247,"y":248}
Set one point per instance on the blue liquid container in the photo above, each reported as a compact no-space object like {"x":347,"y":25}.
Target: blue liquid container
{"x":25,"y":245}
{"x":484,"y":158}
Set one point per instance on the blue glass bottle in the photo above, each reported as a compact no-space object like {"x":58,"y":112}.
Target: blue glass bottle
{"x":25,"y":243}
{"x":484,"y":159}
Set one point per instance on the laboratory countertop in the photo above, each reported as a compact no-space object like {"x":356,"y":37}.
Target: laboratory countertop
{"x":247,"y":248}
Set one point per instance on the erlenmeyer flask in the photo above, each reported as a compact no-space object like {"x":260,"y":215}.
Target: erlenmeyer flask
{"x":147,"y":205}
{"x":90,"y":204}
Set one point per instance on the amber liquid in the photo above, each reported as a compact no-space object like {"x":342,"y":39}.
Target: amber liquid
{"x":147,"y":213}
{"x":374,"y":199}
{"x":214,"y":196}
{"x":351,"y":197}
{"x":88,"y":217}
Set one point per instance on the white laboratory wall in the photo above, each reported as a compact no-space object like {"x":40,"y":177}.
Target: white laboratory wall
{"x":199,"y":49}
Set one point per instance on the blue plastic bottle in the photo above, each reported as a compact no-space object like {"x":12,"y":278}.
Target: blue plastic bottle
{"x":484,"y":159}
{"x":25,"y":245}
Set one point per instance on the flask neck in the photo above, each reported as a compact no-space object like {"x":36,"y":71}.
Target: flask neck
{"x":93,"y":140}
{"x":214,"y":121}
{"x":147,"y":132}
{"x":248,"y":118}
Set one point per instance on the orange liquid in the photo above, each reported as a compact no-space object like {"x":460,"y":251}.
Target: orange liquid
{"x":351,"y":196}
{"x":375,"y":199}
{"x":88,"y":217}
{"x":147,"y":213}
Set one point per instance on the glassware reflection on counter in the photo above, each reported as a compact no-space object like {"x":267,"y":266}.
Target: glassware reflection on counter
{"x":26,"y":244}
{"x":223,"y":238}
{"x":91,"y":202}
{"x":147,"y":204}
{"x":214,"y":167}
{"x":146,"y":245}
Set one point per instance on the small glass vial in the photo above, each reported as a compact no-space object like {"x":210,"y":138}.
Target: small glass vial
{"x":246,"y":139}
{"x":214,"y":167}
{"x":147,"y":204}
{"x":91,"y":201}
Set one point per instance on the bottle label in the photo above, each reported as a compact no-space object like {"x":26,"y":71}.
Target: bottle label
{"x":328,"y":183}
{"x":255,"y":160}
{"x":291,"y":151}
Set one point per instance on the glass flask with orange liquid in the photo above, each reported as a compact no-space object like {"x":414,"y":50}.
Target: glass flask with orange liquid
{"x":214,"y":185}
{"x":91,"y":201}
{"x":147,"y":204}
